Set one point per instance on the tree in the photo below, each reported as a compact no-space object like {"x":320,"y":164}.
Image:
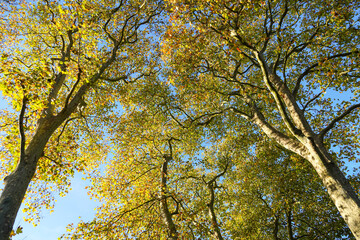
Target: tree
{"x":172,"y":181}
{"x":229,"y":68}
{"x":56,"y":57}
{"x":276,"y":195}
{"x":134,"y":189}
{"x":150,"y":189}
{"x":271,"y":63}
{"x":142,"y":187}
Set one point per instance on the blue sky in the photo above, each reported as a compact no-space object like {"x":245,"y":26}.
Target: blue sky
{"x":67,"y":210}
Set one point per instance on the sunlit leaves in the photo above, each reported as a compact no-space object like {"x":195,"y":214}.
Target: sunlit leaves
{"x":52,"y":54}
{"x":185,"y":85}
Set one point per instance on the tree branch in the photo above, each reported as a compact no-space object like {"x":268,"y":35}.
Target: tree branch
{"x":21,"y":128}
{"x":115,"y":79}
{"x":309,"y":69}
{"x":337,"y":119}
{"x":108,"y":21}
{"x":311,"y":100}
{"x":63,"y":129}
{"x":269,"y":78}
{"x":54,"y":161}
{"x":73,"y":88}
{"x":282,"y":139}
{"x":211,"y":203}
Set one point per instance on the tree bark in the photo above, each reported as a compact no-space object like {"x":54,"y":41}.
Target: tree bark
{"x":13,"y":194}
{"x":289,"y":223}
{"x":307,"y":144}
{"x":210,"y":205}
{"x":340,"y":190}
{"x":164,"y":208}
{"x":18,"y":181}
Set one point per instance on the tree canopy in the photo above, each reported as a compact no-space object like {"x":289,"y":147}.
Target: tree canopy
{"x":192,"y":119}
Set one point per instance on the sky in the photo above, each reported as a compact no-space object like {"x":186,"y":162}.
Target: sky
{"x":67,"y":210}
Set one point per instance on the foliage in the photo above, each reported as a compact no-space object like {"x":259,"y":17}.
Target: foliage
{"x":193,"y":119}
{"x":254,"y":192}
{"x":51,"y":53}
{"x":271,"y":63}
{"x":276,"y":195}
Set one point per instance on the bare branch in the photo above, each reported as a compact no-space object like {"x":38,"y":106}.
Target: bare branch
{"x":337,"y":119}
{"x":63,"y":129}
{"x":115,"y":79}
{"x":310,"y":68}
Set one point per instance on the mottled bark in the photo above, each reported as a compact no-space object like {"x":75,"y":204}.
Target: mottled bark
{"x":338,"y":187}
{"x":303,"y":141}
{"x":340,"y":190}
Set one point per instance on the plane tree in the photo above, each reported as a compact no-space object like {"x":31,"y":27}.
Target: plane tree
{"x":229,"y":68}
{"x":281,"y":66}
{"x":153,"y":186}
{"x":274,"y":194}
{"x":171,"y":177}
{"x":56,"y":58}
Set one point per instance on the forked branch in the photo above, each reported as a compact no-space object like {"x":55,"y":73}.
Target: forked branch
{"x":311,"y":67}
{"x":337,"y":119}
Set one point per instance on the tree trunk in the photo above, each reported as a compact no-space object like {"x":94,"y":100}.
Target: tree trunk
{"x":309,"y":145}
{"x":276,"y":228}
{"x":289,"y":223}
{"x":18,"y":181}
{"x":164,"y":208}
{"x":311,"y":148}
{"x":340,"y":190}
{"x":210,"y":205}
{"x":12,"y":196}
